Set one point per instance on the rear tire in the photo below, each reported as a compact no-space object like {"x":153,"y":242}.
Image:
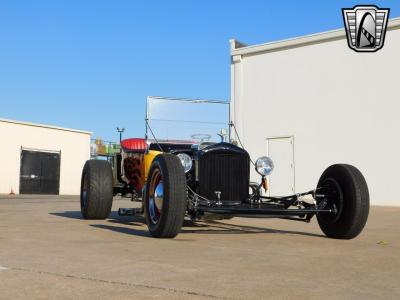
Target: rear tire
{"x":96,"y":190}
{"x":166,"y":196}
{"x":347,"y":192}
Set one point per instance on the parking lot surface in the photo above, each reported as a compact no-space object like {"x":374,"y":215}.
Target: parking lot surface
{"x":47,"y":251}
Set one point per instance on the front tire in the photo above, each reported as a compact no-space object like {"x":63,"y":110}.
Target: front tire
{"x":346,"y":191}
{"x":96,"y":190}
{"x":165,"y":201}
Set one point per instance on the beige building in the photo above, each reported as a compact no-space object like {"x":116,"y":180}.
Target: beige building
{"x":311,"y":101}
{"x":41,"y":159}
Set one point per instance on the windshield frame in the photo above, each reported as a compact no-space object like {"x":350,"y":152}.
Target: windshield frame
{"x":148,"y":129}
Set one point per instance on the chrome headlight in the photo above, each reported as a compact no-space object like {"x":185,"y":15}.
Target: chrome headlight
{"x":264,"y":165}
{"x":186,"y":161}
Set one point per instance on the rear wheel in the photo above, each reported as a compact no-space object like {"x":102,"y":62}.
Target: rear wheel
{"x":346,"y":193}
{"x":96,"y":189}
{"x":165,"y":201}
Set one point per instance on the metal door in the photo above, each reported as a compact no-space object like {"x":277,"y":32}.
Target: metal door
{"x":281,"y":151}
{"x":40,"y":172}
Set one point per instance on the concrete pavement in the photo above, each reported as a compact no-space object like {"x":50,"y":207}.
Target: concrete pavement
{"x":47,"y":251}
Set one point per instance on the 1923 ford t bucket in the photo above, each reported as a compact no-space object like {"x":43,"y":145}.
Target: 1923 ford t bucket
{"x":191,"y":176}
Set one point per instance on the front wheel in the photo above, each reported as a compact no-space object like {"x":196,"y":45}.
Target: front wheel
{"x":346,"y":193}
{"x":165,"y":200}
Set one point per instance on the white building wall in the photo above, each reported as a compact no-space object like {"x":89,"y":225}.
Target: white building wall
{"x":341,"y":106}
{"x":74,"y":147}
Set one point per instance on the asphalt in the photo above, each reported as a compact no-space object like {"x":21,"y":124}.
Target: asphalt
{"x":48,"y":252}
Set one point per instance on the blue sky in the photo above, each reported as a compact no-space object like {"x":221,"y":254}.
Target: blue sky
{"x":90,"y":64}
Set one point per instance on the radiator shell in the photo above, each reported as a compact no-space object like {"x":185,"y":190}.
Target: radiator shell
{"x":224,"y":168}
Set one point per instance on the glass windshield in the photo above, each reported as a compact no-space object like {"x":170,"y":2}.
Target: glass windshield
{"x":188,"y":120}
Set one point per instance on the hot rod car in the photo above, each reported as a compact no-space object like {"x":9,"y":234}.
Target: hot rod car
{"x":198,"y":178}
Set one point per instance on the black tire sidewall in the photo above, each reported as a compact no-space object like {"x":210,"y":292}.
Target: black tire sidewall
{"x":99,"y":198}
{"x":355,"y":210}
{"x":174,"y":202}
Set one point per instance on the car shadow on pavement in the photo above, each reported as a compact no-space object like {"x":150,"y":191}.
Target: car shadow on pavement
{"x":203,"y":227}
{"x":211,"y":228}
{"x":68,"y":214}
{"x":215,"y":227}
{"x":114,"y":217}
{"x":125,"y":230}
{"x":139,"y":220}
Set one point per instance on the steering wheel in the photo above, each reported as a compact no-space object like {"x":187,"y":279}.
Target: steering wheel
{"x":202,"y":137}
